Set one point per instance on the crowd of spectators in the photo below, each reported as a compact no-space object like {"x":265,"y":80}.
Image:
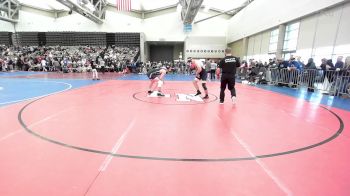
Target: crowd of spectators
{"x":292,"y":72}
{"x":67,"y":58}
{"x":125,"y":59}
{"x":180,"y":67}
{"x":295,"y":64}
{"x":79,"y":59}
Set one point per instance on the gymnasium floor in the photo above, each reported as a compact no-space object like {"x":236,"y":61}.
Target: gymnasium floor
{"x":69,"y":135}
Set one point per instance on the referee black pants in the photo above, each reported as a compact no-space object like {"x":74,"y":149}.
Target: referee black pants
{"x":229,"y":81}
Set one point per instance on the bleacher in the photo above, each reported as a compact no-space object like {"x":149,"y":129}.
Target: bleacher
{"x":5,"y":38}
{"x":69,"y":38}
{"x":27,"y":38}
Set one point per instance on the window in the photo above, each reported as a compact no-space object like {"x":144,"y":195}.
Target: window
{"x":331,"y":52}
{"x":322,"y":52}
{"x":305,"y":53}
{"x":2,"y":13}
{"x":261,"y":57}
{"x":291,"y":37}
{"x":247,"y":58}
{"x":288,"y":55}
{"x":341,"y":50}
{"x":273,"y":41}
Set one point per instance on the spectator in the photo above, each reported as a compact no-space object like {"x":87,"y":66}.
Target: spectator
{"x":310,"y":64}
{"x":339,"y":64}
{"x":272,"y":63}
{"x":282,"y":63}
{"x":324,"y":66}
{"x":213,"y":67}
{"x":345,"y":88}
{"x":301,"y":63}
{"x":310,"y":74}
{"x":293,"y":68}
{"x":330,"y":63}
{"x":208,"y":67}
{"x":43,"y":64}
{"x":294,"y":65}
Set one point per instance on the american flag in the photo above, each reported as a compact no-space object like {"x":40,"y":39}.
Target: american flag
{"x":124,"y":5}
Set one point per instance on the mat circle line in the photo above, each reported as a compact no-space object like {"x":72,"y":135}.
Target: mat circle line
{"x":335,"y":135}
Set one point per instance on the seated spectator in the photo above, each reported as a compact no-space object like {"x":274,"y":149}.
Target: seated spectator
{"x":65,"y":56}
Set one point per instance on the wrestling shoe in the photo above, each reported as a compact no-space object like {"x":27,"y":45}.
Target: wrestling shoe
{"x":198,"y":93}
{"x":234,"y":99}
{"x":160,"y":95}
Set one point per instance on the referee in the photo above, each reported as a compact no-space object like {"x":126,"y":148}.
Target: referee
{"x":228,"y":66}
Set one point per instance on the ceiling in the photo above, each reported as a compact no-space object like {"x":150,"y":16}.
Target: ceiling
{"x":44,"y":4}
{"x":220,"y":5}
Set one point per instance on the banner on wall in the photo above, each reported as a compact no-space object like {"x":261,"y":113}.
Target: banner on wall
{"x":187,"y":28}
{"x":205,"y":51}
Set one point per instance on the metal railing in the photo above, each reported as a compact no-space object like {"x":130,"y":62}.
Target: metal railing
{"x":331,"y":82}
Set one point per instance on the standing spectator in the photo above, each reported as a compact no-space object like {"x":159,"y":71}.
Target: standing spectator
{"x":281,"y":74}
{"x":19,"y":63}
{"x":330,"y":74}
{"x":324,"y":65}
{"x":293,"y":64}
{"x":345,"y":79}
{"x":330,"y":63}
{"x":2,"y":64}
{"x":9,"y":64}
{"x":310,"y":74}
{"x":207,"y":66}
{"x":347,"y":64}
{"x":243,"y":71}
{"x":310,"y":64}
{"x":102,"y":65}
{"x":338,"y":67}
{"x":94,"y":71}
{"x":272,"y":63}
{"x":56,"y":64}
{"x":339,"y":64}
{"x":301,"y":63}
{"x":293,"y":68}
{"x":281,"y":64}
{"x":213,"y":67}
